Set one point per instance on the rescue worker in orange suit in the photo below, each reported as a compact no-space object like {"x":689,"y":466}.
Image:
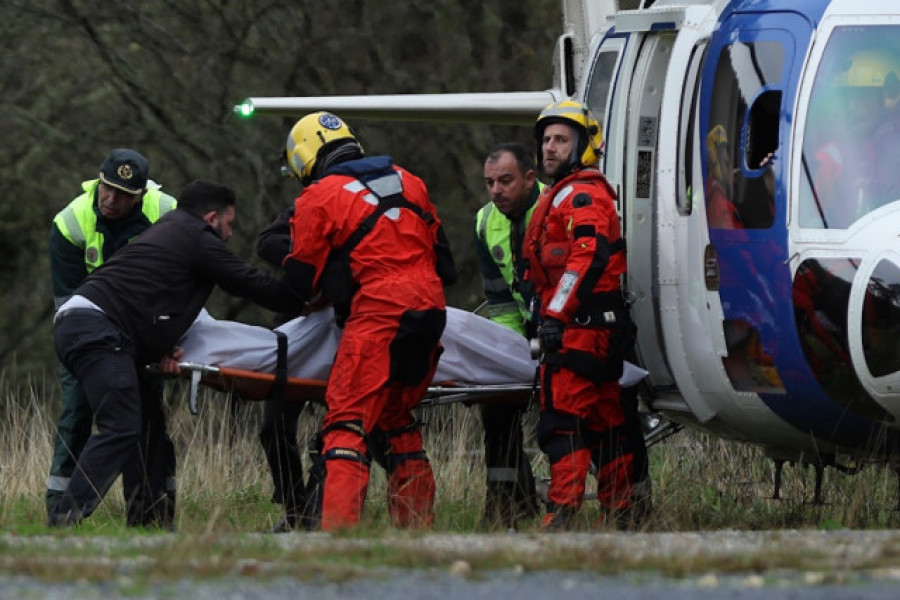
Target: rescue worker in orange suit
{"x":371,"y":226}
{"x":576,"y":258}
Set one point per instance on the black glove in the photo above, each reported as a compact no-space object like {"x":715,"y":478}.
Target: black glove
{"x":551,"y":335}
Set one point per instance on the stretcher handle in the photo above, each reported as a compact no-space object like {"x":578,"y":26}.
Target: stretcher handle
{"x":197,"y":372}
{"x":448,"y":394}
{"x":441,"y":390}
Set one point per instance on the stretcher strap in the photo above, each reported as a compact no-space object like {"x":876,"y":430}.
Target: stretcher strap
{"x":281,"y":371}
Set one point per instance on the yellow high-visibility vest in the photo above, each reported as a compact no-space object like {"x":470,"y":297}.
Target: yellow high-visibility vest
{"x":78,"y":221}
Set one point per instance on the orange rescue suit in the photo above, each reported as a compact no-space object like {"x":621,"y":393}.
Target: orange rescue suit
{"x":391,"y":341}
{"x":576,"y":261}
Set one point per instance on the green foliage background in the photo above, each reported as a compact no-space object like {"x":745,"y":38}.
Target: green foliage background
{"x":79,"y":78}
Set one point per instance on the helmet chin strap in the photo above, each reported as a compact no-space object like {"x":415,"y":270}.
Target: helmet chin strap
{"x":578,"y":148}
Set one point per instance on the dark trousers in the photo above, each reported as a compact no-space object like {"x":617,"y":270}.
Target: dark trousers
{"x":73,"y":428}
{"x":509,"y":487}
{"x":278,"y":436}
{"x":72,"y":432}
{"x":633,"y":428}
{"x":131,"y":437}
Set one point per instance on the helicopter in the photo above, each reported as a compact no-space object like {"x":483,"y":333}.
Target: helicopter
{"x":754,"y":146}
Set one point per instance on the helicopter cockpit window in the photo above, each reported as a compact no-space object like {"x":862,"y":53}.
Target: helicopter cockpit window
{"x":851,"y":145}
{"x":740,"y":146}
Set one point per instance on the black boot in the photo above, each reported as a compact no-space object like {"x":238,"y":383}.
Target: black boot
{"x":311,"y":511}
{"x":286,"y":524}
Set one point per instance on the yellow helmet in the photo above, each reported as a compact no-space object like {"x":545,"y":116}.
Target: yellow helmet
{"x":311,"y":138}
{"x":589,"y":146}
{"x":867,"y":68}
{"x":870,"y":77}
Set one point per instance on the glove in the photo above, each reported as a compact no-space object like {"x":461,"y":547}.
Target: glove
{"x":551,"y":335}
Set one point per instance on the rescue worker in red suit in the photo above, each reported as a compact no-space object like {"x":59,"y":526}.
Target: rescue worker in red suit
{"x":576,"y":258}
{"x":370,"y":227}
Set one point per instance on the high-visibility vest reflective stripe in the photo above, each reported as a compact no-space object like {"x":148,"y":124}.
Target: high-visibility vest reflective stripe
{"x":78,"y":221}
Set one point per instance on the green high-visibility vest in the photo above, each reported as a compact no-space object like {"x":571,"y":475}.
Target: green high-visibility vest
{"x":493,"y":229}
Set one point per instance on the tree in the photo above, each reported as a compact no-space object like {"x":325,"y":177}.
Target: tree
{"x":81,"y":77}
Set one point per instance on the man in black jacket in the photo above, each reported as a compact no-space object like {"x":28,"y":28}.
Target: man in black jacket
{"x":130,"y":313}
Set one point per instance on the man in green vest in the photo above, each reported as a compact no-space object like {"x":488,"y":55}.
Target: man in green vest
{"x":111,"y":211}
{"x":499,"y":228}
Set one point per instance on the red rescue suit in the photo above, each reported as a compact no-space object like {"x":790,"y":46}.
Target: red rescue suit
{"x":391,"y":341}
{"x":576,"y":260}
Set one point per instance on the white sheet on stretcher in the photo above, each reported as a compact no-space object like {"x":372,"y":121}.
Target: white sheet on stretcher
{"x":477,"y":351}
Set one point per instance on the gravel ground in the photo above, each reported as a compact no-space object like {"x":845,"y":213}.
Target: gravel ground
{"x":723,"y":564}
{"x":496,"y":585}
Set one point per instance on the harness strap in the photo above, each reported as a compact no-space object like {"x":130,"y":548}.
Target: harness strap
{"x":354,"y":426}
{"x":395,"y":459}
{"x":339,"y":278}
{"x":345,"y":454}
{"x":602,"y":308}
{"x":586,"y":365}
{"x":390,"y":433}
{"x":384,"y":204}
{"x":617,"y":246}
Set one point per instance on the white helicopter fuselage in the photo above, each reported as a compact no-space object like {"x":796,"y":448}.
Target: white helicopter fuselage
{"x":750,"y":144}
{"x":735,"y":341}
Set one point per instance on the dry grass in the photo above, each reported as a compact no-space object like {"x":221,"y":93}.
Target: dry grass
{"x":699,"y":483}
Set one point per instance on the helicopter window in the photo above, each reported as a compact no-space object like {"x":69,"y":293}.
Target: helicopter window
{"x":762,"y":128}
{"x":761,"y":143}
{"x":601,"y":81}
{"x":738,"y":195}
{"x":750,"y":367}
{"x":851,"y":147}
{"x":881,"y":320}
{"x":821,"y":294}
{"x":686,"y":132}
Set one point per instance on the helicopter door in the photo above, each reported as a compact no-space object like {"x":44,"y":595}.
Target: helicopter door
{"x":638,"y":205}
{"x":746,"y":106}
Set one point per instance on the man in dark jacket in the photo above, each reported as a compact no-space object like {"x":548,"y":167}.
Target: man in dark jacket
{"x":130,"y":313}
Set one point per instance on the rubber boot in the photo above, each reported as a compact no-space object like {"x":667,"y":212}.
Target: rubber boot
{"x":346,"y":479}
{"x":411,"y":486}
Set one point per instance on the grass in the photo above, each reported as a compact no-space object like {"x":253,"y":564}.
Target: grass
{"x":700,"y":483}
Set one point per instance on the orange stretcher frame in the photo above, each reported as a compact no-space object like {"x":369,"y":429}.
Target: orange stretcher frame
{"x":253,"y":385}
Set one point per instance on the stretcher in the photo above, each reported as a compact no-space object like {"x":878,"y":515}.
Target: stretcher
{"x":481,"y":360}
